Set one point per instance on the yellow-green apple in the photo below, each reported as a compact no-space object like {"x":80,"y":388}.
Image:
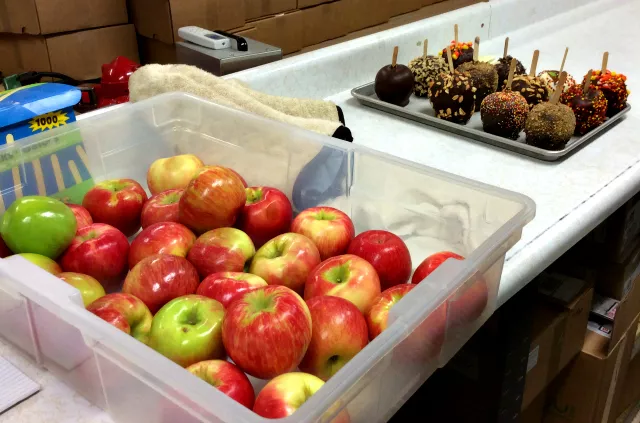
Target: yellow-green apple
{"x":226,"y":287}
{"x":330,"y":229}
{"x":188,"y":330}
{"x":346,"y":276}
{"x":431,"y":263}
{"x":125,"y":312}
{"x":387,"y":253}
{"x":339,"y":332}
{"x":158,"y":279}
{"x":83,"y":217}
{"x":228,"y":378}
{"x":465,"y":305}
{"x":266,"y":332}
{"x":172,"y":172}
{"x":162,"y":207}
{"x":221,"y":250}
{"x":282,"y":396}
{"x":116,"y":202}
{"x":45,"y":263}
{"x":378,"y":315}
{"x":38,"y":225}
{"x":89,"y":287}
{"x":100,"y":251}
{"x":266,"y":214}
{"x":286,"y":260}
{"x":4,"y":250}
{"x":161,"y":238}
{"x":213,"y":199}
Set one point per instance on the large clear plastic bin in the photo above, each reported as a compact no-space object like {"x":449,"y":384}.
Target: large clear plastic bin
{"x":431,"y":210}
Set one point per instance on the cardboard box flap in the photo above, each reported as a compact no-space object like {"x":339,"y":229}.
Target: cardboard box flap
{"x":255,"y":9}
{"x":19,"y":17}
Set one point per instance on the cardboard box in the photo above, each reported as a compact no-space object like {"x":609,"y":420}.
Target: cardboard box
{"x":557,"y":337}
{"x":615,"y":279}
{"x":161,"y":19}
{"x":630,"y":393}
{"x":360,"y":14}
{"x":284,"y":31}
{"x":314,"y":23}
{"x":535,"y":411}
{"x":400,"y":7}
{"x":616,"y":235}
{"x":77,"y":54}
{"x":254,"y":9}
{"x":588,"y":391}
{"x":308,"y":3}
{"x":53,"y":16}
{"x":154,"y":51}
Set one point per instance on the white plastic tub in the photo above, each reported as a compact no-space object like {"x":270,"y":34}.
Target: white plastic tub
{"x":431,"y":210}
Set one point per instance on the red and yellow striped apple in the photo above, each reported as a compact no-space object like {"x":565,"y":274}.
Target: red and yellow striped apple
{"x":387,"y":253}
{"x":158,"y":279}
{"x":162,"y":207}
{"x":266,"y":214}
{"x":330,"y":229}
{"x":346,"y":276}
{"x":125,"y":312}
{"x":172,"y":172}
{"x":116,"y":202}
{"x":161,"y":238}
{"x":45,"y":263}
{"x":83,"y":217}
{"x":188,"y":330}
{"x":431,"y":263}
{"x":227,"y":378}
{"x":378,"y":316}
{"x":266,"y":332}
{"x":339,"y":332}
{"x":89,"y":287}
{"x":212,"y":199}
{"x":221,"y":250}
{"x":226,"y":287}
{"x":286,"y":260}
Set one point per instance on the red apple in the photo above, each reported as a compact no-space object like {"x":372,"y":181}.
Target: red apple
{"x":125,"y":312}
{"x":467,"y":305}
{"x":330,"y":229}
{"x":4,"y":250}
{"x":83,"y":217}
{"x":116,"y":202}
{"x":431,"y":263}
{"x":227,"y":378}
{"x":221,"y":250}
{"x":161,"y":238}
{"x":387,"y":253}
{"x":244,"y":183}
{"x":378,"y":316}
{"x":158,"y":279}
{"x":100,"y":251}
{"x":212,"y":199}
{"x":347,"y":276}
{"x":425,"y":342}
{"x":266,"y":214}
{"x":339,"y":332}
{"x":226,"y":287}
{"x":43,"y":262}
{"x":282,"y":396}
{"x":266,"y":332}
{"x":89,"y":287}
{"x":162,"y":207}
{"x":172,"y":172}
{"x":286,"y":260}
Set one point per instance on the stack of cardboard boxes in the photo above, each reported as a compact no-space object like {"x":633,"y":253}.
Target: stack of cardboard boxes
{"x":72,"y":37}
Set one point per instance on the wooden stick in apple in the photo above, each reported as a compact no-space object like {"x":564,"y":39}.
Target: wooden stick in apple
{"x":506,"y":48}
{"x":394,"y":59}
{"x":512,"y":71}
{"x":534,"y":63}
{"x":556,"y":94}
{"x":450,"y":59}
{"x":425,"y":48}
{"x":476,"y":48}
{"x":605,"y":60}
{"x":587,"y":82}
{"x":564,"y":59}
{"x":455,"y":33}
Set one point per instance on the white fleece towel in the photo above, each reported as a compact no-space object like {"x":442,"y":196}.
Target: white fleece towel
{"x":315,"y":115}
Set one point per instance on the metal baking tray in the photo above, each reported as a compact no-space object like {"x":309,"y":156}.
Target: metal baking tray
{"x":420,"y":110}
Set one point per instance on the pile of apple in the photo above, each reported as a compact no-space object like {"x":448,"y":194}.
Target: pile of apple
{"x":220,"y":271}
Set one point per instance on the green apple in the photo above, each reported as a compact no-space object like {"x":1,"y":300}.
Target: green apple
{"x":39,"y":225}
{"x":188,"y":329}
{"x":89,"y":287}
{"x":43,"y":262}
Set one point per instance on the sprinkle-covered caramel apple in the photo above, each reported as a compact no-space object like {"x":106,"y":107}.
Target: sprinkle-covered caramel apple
{"x":394,"y":82}
{"x":613,"y":85}
{"x":588,"y":103}
{"x":460,"y":52}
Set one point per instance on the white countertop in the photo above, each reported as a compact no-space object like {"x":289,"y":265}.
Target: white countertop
{"x":572,"y":196}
